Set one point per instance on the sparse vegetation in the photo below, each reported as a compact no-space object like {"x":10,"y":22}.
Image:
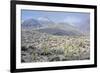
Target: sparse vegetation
{"x":43,"y":47}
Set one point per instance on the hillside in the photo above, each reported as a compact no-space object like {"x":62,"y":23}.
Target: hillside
{"x":51,"y":27}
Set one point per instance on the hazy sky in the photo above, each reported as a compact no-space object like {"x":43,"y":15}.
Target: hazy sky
{"x":69,"y":17}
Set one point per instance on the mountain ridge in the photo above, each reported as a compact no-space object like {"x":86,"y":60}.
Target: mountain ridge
{"x":51,"y":27}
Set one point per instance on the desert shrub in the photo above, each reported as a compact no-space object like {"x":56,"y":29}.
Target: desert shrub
{"x":65,"y":50}
{"x":54,"y":58}
{"x":33,"y":55}
{"x":68,"y":49}
{"x":45,"y":48}
{"x":26,"y":58}
{"x":23,"y":48}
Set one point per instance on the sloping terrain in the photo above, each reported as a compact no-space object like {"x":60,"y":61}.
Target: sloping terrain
{"x":47,"y":41}
{"x":50,"y":27}
{"x":30,"y":23}
{"x":43,"y":47}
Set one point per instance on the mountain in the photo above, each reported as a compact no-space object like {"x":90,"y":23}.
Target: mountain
{"x":61,"y":29}
{"x":48,"y":26}
{"x":31,"y":23}
{"x":84,"y":27}
{"x":55,"y":31}
{"x":45,"y":21}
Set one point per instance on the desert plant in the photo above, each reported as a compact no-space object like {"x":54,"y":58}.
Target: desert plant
{"x":45,"y":48}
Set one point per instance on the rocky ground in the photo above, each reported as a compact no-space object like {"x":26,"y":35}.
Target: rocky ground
{"x":43,"y":47}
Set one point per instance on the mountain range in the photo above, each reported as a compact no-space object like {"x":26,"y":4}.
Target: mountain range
{"x":54,"y":28}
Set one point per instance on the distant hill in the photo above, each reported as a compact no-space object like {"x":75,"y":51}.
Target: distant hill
{"x":31,"y":23}
{"x":51,"y":27}
{"x":84,"y":27}
{"x":45,"y":21}
{"x":55,"y":31}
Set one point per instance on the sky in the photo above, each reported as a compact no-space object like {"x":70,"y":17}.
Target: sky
{"x":67,"y":17}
